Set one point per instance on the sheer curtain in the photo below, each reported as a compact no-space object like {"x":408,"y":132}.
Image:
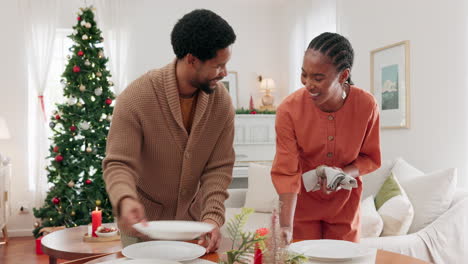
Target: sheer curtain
{"x":112,"y":17}
{"x":40,"y":25}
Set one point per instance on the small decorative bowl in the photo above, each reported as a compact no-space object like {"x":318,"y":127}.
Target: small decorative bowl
{"x":106,"y":231}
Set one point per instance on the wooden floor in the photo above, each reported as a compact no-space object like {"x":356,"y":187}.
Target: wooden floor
{"x":21,"y":250}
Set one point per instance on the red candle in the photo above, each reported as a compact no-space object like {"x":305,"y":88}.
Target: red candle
{"x":96,"y":218}
{"x":258,"y":256}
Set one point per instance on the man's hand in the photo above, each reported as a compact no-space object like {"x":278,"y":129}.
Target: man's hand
{"x":286,"y":234}
{"x":131,"y":212}
{"x":212,"y":239}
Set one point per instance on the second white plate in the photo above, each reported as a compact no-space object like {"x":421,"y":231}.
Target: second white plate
{"x":170,"y":250}
{"x":330,"y":250}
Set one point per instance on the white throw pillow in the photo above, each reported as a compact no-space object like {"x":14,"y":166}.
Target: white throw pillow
{"x":371,"y":222}
{"x":404,"y":171}
{"x":261,"y":194}
{"x":394,"y":207}
{"x":431,"y":195}
{"x":371,"y":182}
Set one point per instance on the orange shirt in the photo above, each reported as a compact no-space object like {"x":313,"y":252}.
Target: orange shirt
{"x":187,"y":107}
{"x":307,"y":137}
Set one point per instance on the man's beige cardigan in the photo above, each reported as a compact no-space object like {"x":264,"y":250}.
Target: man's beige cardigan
{"x":150,"y":156}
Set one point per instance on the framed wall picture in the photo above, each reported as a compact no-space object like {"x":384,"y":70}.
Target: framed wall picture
{"x":230,"y":82}
{"x":390,"y":84}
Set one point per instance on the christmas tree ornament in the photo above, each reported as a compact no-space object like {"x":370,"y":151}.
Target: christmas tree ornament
{"x":78,"y":18}
{"x":56,"y":149}
{"x":76,"y":68}
{"x":83,"y":22}
{"x":71,"y":184}
{"x":68,"y":57}
{"x":98,"y":91}
{"x":101,"y":54}
{"x":84,"y":37}
{"x":56,"y":200}
{"x":88,"y":182}
{"x":108,"y":101}
{"x":51,"y":124}
{"x":72,"y":213}
{"x":87,"y":63}
{"x":84,"y":125}
{"x":111,"y":83}
{"x":109,"y":118}
{"x":79,"y":104}
{"x":59,"y":158}
{"x":57,"y":117}
{"x":75,"y":32}
{"x":98,"y":202}
{"x":98,"y":74}
{"x":88,"y":25}
{"x":80,"y":53}
{"x":37,"y":224}
{"x":82,"y":88}
{"x":89,"y":149}
{"x":72,"y":101}
{"x":72,"y":128}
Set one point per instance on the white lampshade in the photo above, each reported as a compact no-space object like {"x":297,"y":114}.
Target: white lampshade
{"x":267,"y":84}
{"x":4,"y":133}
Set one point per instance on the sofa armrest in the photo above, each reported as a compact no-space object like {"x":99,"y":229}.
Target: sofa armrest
{"x":459,"y":195}
{"x":236,"y":198}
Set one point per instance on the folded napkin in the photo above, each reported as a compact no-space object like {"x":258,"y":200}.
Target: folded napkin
{"x":336,"y":179}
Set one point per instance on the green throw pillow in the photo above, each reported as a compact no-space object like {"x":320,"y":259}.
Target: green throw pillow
{"x":389,"y":189}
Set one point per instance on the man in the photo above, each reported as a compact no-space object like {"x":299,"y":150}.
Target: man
{"x":170,"y":146}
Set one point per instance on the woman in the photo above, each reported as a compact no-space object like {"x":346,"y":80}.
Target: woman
{"x":330,"y":123}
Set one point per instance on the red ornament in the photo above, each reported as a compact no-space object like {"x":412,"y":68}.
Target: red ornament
{"x":58,"y":158}
{"x":76,"y":69}
{"x":80,"y":53}
{"x":78,"y":18}
{"x":108,"y":101}
{"x":56,"y":200}
{"x":57,"y":117}
{"x":56,"y":149}
{"x":88,"y":181}
{"x":251,"y":104}
{"x":253,"y":112}
{"x":73,"y":128}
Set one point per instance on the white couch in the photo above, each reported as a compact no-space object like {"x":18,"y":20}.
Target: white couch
{"x":444,"y":240}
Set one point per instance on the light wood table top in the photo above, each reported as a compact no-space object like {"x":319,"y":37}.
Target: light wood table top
{"x":382,"y":257}
{"x":68,"y":244}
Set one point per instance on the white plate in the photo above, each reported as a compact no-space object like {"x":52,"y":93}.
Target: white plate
{"x":170,"y":250}
{"x":330,"y":250}
{"x":173,"y":230}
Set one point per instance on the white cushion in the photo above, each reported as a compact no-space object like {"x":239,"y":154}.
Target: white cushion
{"x":431,"y":195}
{"x":404,"y":171}
{"x":371,"y":222}
{"x":397,"y":213}
{"x":261,"y":194}
{"x":371,"y":182}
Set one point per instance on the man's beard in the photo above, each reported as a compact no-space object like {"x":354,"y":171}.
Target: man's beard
{"x":205,"y":87}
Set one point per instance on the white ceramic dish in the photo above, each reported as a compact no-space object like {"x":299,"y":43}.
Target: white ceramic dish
{"x":170,"y":250}
{"x":330,"y":250}
{"x":173,"y":230}
{"x":109,"y":234}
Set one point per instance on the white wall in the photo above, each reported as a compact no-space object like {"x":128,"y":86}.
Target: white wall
{"x":437,"y":32}
{"x":13,"y":107}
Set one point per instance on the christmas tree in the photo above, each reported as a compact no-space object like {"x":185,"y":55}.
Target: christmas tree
{"x":80,"y":127}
